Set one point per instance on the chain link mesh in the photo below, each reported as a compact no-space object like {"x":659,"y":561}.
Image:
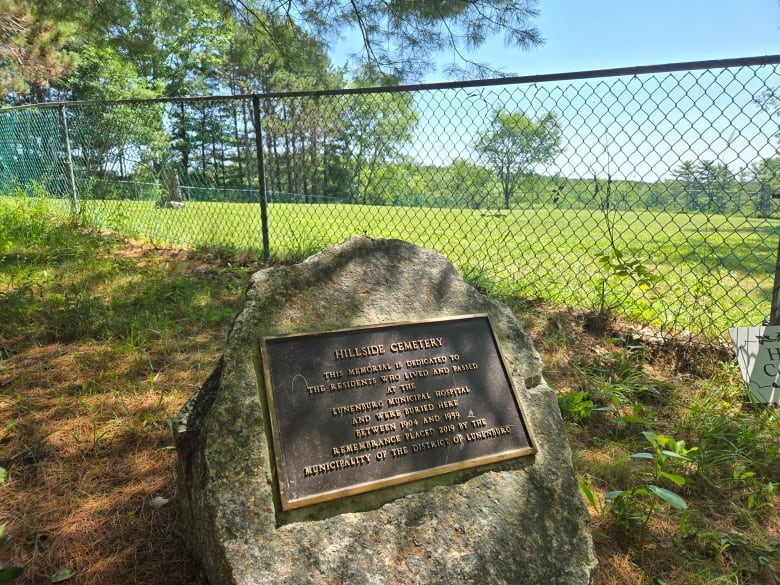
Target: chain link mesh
{"x":646,"y":194}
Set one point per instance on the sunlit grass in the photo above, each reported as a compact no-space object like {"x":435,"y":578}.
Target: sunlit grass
{"x":712,"y":271}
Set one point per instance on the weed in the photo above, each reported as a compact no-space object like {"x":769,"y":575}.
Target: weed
{"x":739,"y":442}
{"x":7,"y":574}
{"x":300,"y":246}
{"x":98,"y":436}
{"x":637,"y":505}
{"x":758,"y":493}
{"x":585,"y":488}
{"x":575,"y":406}
{"x":147,"y":418}
{"x":736,"y":544}
{"x":670,"y":458}
{"x":615,"y":383}
{"x":617,"y":266}
{"x":480,"y":279}
{"x":62,"y":575}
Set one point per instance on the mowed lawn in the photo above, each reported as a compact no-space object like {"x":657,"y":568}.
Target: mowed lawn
{"x":710,"y":272}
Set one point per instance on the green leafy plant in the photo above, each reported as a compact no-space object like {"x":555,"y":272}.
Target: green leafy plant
{"x":575,"y":406}
{"x":735,"y":544}
{"x":617,"y":384}
{"x":667,"y":452}
{"x":759,"y":493}
{"x":97,"y":436}
{"x":62,"y":575}
{"x":587,"y":492}
{"x":7,"y":574}
{"x":300,"y":245}
{"x":618,"y":267}
{"x":762,"y":498}
{"x":639,"y":504}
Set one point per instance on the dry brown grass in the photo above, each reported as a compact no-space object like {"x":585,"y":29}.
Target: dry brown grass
{"x":84,"y":437}
{"x":84,"y":470}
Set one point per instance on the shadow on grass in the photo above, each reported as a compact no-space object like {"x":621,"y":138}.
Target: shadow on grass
{"x":88,"y":291}
{"x":101,"y":341}
{"x":86,"y":502}
{"x":752,"y":253}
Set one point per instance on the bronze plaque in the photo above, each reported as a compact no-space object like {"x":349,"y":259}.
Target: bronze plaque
{"x":358,"y":409}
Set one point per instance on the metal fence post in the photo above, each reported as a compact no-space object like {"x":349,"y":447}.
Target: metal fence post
{"x":774,"y":311}
{"x":74,"y":202}
{"x":261,"y":176}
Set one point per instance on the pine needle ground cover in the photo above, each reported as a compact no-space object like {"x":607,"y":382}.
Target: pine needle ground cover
{"x":103,"y":338}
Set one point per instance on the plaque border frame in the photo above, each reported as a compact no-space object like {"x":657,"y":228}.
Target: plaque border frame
{"x":398,"y":479}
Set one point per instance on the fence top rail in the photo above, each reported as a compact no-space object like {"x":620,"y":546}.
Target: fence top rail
{"x":516,"y":80}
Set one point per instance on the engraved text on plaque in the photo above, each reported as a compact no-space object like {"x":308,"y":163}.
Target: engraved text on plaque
{"x":359,"y":409}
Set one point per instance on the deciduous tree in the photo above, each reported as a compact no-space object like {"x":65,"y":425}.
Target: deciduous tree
{"x":514,"y":143}
{"x":372,"y":131}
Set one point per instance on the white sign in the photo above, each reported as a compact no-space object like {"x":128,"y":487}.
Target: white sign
{"x":758,"y":354}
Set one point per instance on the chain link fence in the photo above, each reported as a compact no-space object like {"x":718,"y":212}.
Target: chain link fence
{"x":647,"y":192}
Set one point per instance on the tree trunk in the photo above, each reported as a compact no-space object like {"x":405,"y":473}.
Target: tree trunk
{"x":170,"y":184}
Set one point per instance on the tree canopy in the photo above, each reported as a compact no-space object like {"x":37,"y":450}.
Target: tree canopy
{"x":515,"y":142}
{"x":705,"y":184}
{"x":400,"y":38}
{"x":33,"y":49}
{"x":196,"y":47}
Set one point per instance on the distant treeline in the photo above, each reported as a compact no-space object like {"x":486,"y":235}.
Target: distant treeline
{"x":347,"y":149}
{"x":408,"y":185}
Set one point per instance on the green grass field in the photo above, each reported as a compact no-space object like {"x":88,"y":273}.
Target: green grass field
{"x":711,"y":272}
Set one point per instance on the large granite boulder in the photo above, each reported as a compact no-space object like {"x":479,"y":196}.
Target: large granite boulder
{"x":516,"y":521}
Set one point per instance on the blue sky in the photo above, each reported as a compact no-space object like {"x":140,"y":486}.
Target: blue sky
{"x":600,"y":34}
{"x":604,"y":34}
